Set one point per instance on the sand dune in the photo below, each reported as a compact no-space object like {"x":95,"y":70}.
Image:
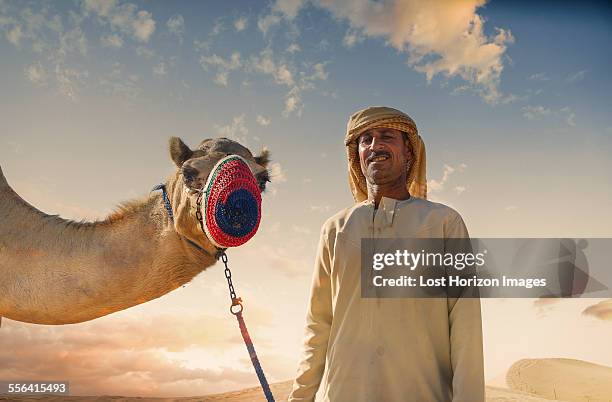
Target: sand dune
{"x":566,"y":379}
{"x":530,"y":380}
{"x":281,"y":392}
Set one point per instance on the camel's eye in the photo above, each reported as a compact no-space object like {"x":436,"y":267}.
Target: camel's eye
{"x":189,"y":173}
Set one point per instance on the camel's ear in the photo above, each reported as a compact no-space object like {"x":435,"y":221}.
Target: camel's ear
{"x":263,"y":158}
{"x":179,"y":152}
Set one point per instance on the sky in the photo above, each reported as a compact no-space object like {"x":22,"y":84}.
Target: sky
{"x":512,"y":99}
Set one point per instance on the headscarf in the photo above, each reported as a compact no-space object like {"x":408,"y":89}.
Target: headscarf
{"x":384,"y":117}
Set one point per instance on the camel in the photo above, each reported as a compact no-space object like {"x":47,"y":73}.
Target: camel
{"x":56,"y":271}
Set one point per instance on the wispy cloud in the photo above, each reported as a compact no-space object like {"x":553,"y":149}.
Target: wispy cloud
{"x":352,"y":37}
{"x":262,"y":121}
{"x":222,"y":66}
{"x":176,"y":26}
{"x":534,"y":112}
{"x":285,"y":73}
{"x":14,"y":35}
{"x":160,"y":69}
{"x":122,"y":18}
{"x":577,"y":77}
{"x":235,"y":130}
{"x":293,"y":48}
{"x":241,"y":24}
{"x":36,"y":74}
{"x":565,"y":114}
{"x":112,"y":40}
{"x":569,"y":115}
{"x":120,"y":83}
{"x":265,"y":23}
{"x":60,"y":42}
{"x":439,"y":185}
{"x":277,"y":173}
{"x":460,"y":189}
{"x":542,"y":76}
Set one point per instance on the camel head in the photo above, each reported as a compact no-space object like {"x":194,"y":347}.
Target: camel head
{"x":194,"y":167}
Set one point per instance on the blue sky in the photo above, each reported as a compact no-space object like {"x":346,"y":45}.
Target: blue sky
{"x":512,"y":100}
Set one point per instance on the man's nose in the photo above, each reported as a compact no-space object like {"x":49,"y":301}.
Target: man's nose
{"x":376,"y":144}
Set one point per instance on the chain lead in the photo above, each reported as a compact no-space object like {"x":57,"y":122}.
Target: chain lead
{"x":236,"y":307}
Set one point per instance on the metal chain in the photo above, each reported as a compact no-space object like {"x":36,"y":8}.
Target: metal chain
{"x":236,"y":307}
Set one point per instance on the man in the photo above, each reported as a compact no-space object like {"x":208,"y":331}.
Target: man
{"x":394,"y":349}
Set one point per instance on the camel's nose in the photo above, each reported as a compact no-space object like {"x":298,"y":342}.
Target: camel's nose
{"x":232,"y":204}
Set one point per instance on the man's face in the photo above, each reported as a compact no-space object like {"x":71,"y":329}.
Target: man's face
{"x":384,"y":154}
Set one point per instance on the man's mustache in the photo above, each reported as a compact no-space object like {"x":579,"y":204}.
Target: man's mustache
{"x":377,"y":154}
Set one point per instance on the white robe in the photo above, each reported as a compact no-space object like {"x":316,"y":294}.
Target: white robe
{"x":394,"y":349}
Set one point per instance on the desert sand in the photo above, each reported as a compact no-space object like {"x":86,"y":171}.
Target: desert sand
{"x":280,"y":391}
{"x":565,"y":379}
{"x":530,"y":380}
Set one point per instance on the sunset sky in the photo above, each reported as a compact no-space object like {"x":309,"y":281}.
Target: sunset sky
{"x":512,"y":100}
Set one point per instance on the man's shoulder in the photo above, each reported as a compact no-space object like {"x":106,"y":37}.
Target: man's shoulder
{"x":434,"y":207}
{"x":337,"y":221}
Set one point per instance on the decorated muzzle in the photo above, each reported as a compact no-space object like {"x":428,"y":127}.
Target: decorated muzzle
{"x":231,"y":207}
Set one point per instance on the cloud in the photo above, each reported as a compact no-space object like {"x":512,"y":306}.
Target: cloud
{"x":570,"y":116}
{"x":293,"y":103}
{"x":145,"y":52}
{"x":265,"y":23}
{"x":217,"y":28}
{"x":577,"y":77}
{"x":439,"y":185}
{"x":70,"y":81}
{"x":119,"y":83}
{"x":14,"y":35}
{"x":36,"y":74}
{"x":539,"y":77}
{"x":439,"y":37}
{"x":534,"y":112}
{"x":125,"y":18}
{"x":352,"y":37}
{"x":566,"y":114}
{"x":160,"y":69}
{"x":222,"y":66}
{"x":262,"y":121}
{"x":293,"y":48}
{"x":58,"y":38}
{"x":460,"y":189}
{"x":601,"y":310}
{"x":126,"y":356}
{"x":176,"y":26}
{"x":235,"y":130}
{"x":264,"y":63}
{"x":285,"y":73}
{"x":143,"y":25}
{"x":241,"y":24}
{"x":289,"y":8}
{"x":277,"y":173}
{"x":112,"y":40}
